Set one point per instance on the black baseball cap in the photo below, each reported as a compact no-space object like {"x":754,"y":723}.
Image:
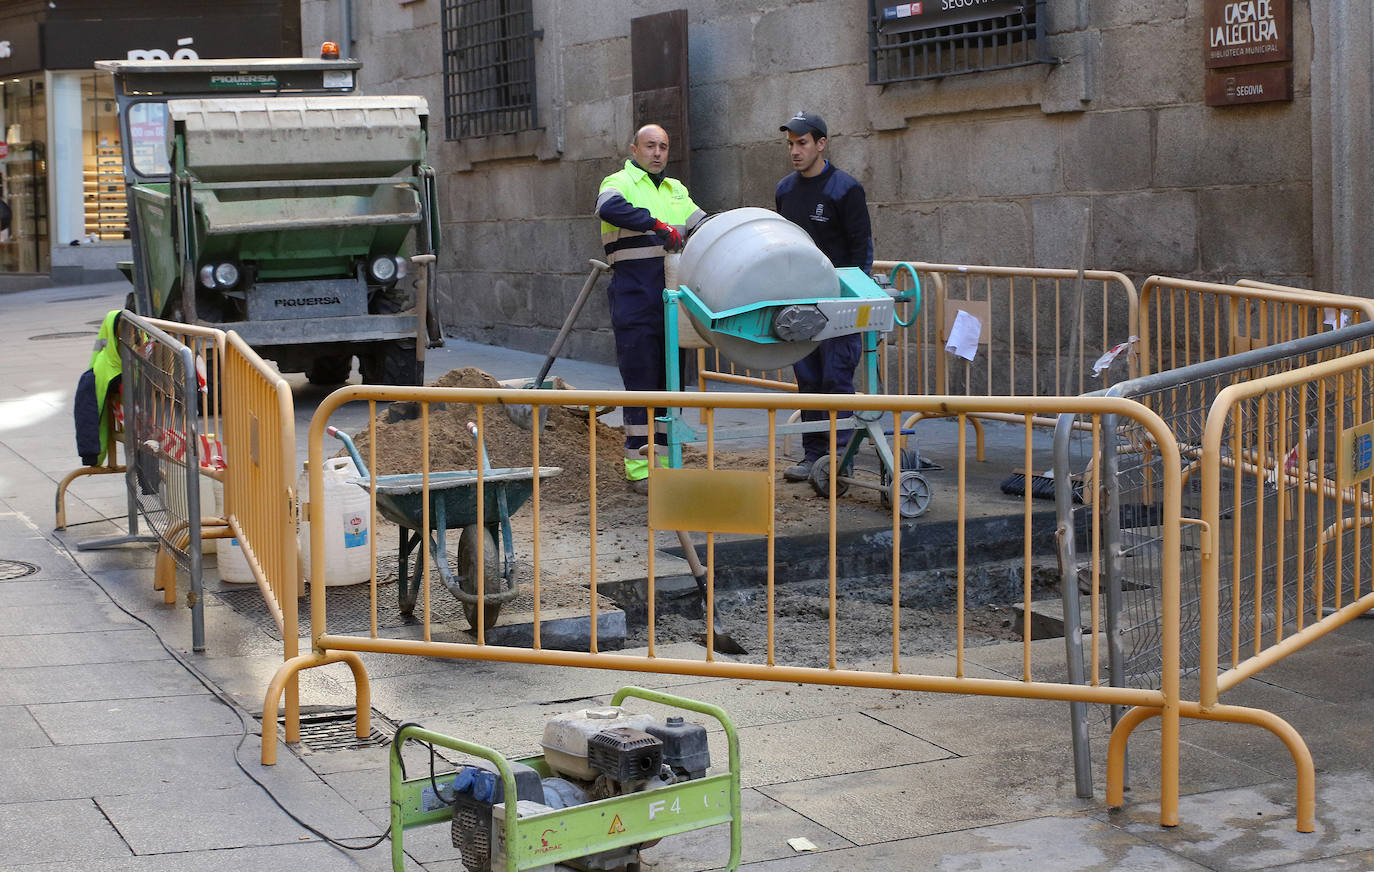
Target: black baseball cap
{"x":805,"y":122}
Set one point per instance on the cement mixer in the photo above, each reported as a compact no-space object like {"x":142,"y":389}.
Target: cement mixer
{"x":266,"y":198}
{"x":756,"y":287}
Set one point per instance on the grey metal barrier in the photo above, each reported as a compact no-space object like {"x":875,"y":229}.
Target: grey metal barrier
{"x":1109,"y":522}
{"x":163,"y":449}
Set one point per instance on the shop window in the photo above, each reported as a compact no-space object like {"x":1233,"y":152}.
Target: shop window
{"x":24,"y":113}
{"x":1016,"y":39}
{"x":102,"y":178}
{"x":488,"y":67}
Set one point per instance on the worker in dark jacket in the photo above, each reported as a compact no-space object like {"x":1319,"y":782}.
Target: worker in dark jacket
{"x":644,"y":214}
{"x":829,"y":204}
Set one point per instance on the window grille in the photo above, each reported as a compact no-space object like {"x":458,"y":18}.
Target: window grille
{"x":1000,"y":43}
{"x":488,"y":67}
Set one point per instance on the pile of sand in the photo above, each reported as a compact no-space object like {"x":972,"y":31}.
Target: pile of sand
{"x":565,"y":441}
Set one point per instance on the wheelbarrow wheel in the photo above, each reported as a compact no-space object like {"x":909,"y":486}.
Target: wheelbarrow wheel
{"x":467,"y":566}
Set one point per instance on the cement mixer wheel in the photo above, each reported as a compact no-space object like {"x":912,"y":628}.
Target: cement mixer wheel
{"x":913,"y":495}
{"x":820,"y":478}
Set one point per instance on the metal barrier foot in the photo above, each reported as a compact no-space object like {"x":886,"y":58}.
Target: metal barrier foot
{"x":165,"y":575}
{"x":1302,"y":757}
{"x":1116,"y":753}
{"x":288,"y":670}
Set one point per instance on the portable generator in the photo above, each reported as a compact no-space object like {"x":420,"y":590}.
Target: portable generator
{"x":609,"y":784}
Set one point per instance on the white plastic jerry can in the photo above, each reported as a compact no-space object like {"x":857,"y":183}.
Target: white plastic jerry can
{"x":347,"y":526}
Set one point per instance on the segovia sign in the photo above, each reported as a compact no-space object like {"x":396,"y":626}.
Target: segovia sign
{"x":1243,"y":32}
{"x":902,"y":17}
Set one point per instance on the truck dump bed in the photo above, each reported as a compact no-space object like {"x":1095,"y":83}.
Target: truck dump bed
{"x":260,"y":139}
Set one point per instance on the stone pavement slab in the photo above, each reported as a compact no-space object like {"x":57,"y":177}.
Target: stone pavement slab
{"x":126,"y":645}
{"x":96,"y":681}
{"x":802,"y":750}
{"x":1253,"y":827}
{"x":1063,"y":844}
{"x":135,"y":720}
{"x":117,"y":768}
{"x":233,"y":817}
{"x":49,"y":592}
{"x":925,"y":798}
{"x":18,"y":729}
{"x":767,"y":827}
{"x":1337,"y":735}
{"x":73,"y":832}
{"x":70,"y":618}
{"x":310,"y":856}
{"x":1359,"y":861}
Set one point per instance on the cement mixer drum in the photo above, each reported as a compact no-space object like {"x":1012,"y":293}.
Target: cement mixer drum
{"x":747,"y":256}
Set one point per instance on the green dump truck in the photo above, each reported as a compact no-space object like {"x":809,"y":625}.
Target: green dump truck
{"x":266,"y":198}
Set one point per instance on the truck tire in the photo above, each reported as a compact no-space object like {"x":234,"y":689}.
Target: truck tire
{"x":392,"y":363}
{"x":330,"y":369}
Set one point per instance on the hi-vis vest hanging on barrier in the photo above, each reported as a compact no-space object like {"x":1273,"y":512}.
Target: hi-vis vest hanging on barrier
{"x":669,"y":202}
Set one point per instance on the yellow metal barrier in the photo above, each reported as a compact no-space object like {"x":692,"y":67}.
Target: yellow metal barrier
{"x":260,"y":511}
{"x":1041,"y":329}
{"x":1296,"y":451}
{"x":1040,"y":332}
{"x":719,"y":502}
{"x":1287,"y":521}
{"x":1184,"y":322}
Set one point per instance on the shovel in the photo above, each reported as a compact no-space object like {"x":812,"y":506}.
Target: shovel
{"x":523,"y":415}
{"x":723,"y":641}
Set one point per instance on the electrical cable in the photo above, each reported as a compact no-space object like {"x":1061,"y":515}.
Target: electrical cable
{"x":400,"y":759}
{"x":229,"y":703}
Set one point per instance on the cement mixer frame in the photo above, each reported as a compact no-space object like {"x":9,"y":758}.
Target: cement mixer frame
{"x":862,"y":307}
{"x":265,"y":197}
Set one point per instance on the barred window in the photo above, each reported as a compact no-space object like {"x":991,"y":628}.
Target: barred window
{"x":896,"y":54}
{"x":488,"y":67}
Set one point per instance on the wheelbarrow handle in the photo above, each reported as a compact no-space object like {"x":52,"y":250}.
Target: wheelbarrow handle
{"x":481,"y":447}
{"x":352,"y":449}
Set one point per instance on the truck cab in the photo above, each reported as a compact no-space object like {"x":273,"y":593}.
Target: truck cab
{"x":265,"y":197}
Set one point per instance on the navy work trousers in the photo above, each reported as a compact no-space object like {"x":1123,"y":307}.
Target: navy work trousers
{"x":828,"y":370}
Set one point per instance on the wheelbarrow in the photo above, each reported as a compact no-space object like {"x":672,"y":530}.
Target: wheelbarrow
{"x":453,"y":504}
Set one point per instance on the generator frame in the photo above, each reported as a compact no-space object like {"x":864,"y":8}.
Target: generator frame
{"x":542,"y":840}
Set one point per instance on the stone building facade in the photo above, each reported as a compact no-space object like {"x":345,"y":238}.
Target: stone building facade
{"x":1111,"y":141}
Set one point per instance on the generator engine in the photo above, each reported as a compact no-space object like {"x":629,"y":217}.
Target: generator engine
{"x":592,"y":754}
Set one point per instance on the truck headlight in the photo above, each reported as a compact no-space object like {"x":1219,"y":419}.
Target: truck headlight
{"x":226,"y":275}
{"x":220,"y":275}
{"x":383,"y":269}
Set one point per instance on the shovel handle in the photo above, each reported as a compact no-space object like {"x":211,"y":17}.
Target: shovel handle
{"x":598,"y":267}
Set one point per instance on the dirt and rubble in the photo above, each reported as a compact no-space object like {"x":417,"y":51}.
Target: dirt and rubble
{"x":565,"y":442}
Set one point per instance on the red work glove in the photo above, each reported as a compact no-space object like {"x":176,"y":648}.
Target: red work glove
{"x":672,"y":240}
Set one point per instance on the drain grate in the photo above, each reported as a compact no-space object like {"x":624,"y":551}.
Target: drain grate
{"x":70,"y":334}
{"x":350,"y":608}
{"x":333,"y":730}
{"x":12,"y":569}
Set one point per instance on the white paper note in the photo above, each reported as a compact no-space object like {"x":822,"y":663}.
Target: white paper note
{"x":1336,"y":318}
{"x":963,"y":335}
